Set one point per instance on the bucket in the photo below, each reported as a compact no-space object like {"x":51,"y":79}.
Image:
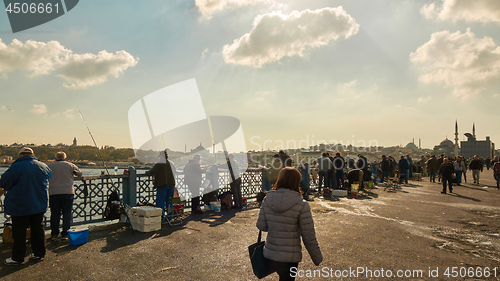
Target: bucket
{"x":326,"y":191}
{"x":178,"y":208}
{"x":355,"y":186}
{"x":78,"y":236}
{"x":354,"y":194}
{"x":244,"y":201}
{"x":212,"y":205}
{"x":370,"y":184}
{"x":216,"y":206}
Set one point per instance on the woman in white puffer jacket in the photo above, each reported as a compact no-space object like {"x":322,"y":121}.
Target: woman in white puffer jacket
{"x":287,"y":217}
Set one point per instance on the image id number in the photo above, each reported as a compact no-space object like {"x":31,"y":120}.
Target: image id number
{"x":470,"y":272}
{"x":32,"y":8}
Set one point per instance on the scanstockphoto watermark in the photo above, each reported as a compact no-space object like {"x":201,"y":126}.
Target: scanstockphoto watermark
{"x":365,"y":272}
{"x":316,"y":144}
{"x":358,"y":272}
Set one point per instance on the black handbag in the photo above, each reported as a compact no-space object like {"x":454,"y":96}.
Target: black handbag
{"x":260,"y":264}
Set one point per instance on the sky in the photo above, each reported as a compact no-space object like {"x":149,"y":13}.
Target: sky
{"x":292,"y":72}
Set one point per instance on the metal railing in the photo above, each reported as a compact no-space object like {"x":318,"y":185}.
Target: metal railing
{"x":92,"y":192}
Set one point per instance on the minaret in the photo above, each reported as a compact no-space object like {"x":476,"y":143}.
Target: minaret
{"x":474,"y":131}
{"x":456,"y":138}
{"x":419,"y":144}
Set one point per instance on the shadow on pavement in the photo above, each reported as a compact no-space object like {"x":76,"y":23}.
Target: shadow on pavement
{"x":465,"y":197}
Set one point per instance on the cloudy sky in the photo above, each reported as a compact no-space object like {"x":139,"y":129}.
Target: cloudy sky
{"x":290,"y":71}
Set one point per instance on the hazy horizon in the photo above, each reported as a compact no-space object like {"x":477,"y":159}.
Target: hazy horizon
{"x":388,"y":71}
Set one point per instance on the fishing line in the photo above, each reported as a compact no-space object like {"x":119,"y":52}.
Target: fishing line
{"x":95,"y":144}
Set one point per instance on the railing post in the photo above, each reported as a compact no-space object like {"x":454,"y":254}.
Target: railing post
{"x":130,"y":187}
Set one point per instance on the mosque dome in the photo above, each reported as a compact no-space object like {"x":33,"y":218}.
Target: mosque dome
{"x":411,"y":145}
{"x":446,"y":143}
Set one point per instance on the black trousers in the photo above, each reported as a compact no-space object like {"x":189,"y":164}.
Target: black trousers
{"x":236,"y":190}
{"x":447,"y":180}
{"x":19,"y":226}
{"x":283,"y":269}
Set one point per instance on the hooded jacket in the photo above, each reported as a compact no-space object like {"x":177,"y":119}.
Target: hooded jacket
{"x":286,"y":218}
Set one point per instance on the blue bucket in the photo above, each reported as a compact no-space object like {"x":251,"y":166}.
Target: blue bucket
{"x":78,"y":236}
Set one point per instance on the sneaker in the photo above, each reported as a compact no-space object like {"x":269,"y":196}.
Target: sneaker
{"x":33,"y":257}
{"x":10,"y":261}
{"x":443,"y":192}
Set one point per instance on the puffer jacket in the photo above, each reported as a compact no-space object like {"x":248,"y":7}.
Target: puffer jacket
{"x":26,"y":182}
{"x":286,"y":218}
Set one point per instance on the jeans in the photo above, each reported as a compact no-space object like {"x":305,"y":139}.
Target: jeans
{"x":332,"y":179}
{"x":339,"y":177}
{"x":498,"y":181}
{"x":385,"y":175}
{"x":432,"y":175}
{"x":60,"y":204}
{"x":19,"y":226}
{"x":323,"y":176}
{"x":163,"y":195}
{"x":475,"y":175}
{"x":459,"y":177}
{"x":403,"y":175}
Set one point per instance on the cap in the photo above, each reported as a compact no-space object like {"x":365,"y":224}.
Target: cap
{"x":26,"y":150}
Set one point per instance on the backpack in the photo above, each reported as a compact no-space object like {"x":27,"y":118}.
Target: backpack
{"x":114,"y":207}
{"x":226,"y":200}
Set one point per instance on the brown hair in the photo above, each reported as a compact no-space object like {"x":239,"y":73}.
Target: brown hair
{"x":289,"y":178}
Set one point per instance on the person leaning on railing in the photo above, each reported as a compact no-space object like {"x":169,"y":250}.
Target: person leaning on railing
{"x":164,"y":180}
{"x":287,"y":217}
{"x":26,"y":182}
{"x":61,"y":194}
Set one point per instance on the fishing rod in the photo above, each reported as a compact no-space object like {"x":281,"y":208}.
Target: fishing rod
{"x":105,"y":167}
{"x":95,"y":144}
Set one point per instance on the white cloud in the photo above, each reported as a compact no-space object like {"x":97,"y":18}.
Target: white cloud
{"x":459,"y":61}
{"x":38,"y":109}
{"x":204,"y":53}
{"x":422,"y":99}
{"x":275,"y":35}
{"x":495,"y":96}
{"x":80,"y":71}
{"x":208,"y":7}
{"x":264,"y":95}
{"x":352,"y":91}
{"x":69,"y":113}
{"x":467,"y":10}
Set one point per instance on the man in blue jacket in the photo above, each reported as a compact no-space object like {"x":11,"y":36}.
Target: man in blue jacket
{"x":404,"y":165}
{"x":26,"y":184}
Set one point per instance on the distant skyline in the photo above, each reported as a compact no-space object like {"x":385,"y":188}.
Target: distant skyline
{"x":343,"y":70}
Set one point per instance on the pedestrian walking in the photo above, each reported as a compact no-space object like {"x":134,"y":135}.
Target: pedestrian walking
{"x":287,"y":217}
{"x":477,"y":167}
{"x":447,"y":171}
